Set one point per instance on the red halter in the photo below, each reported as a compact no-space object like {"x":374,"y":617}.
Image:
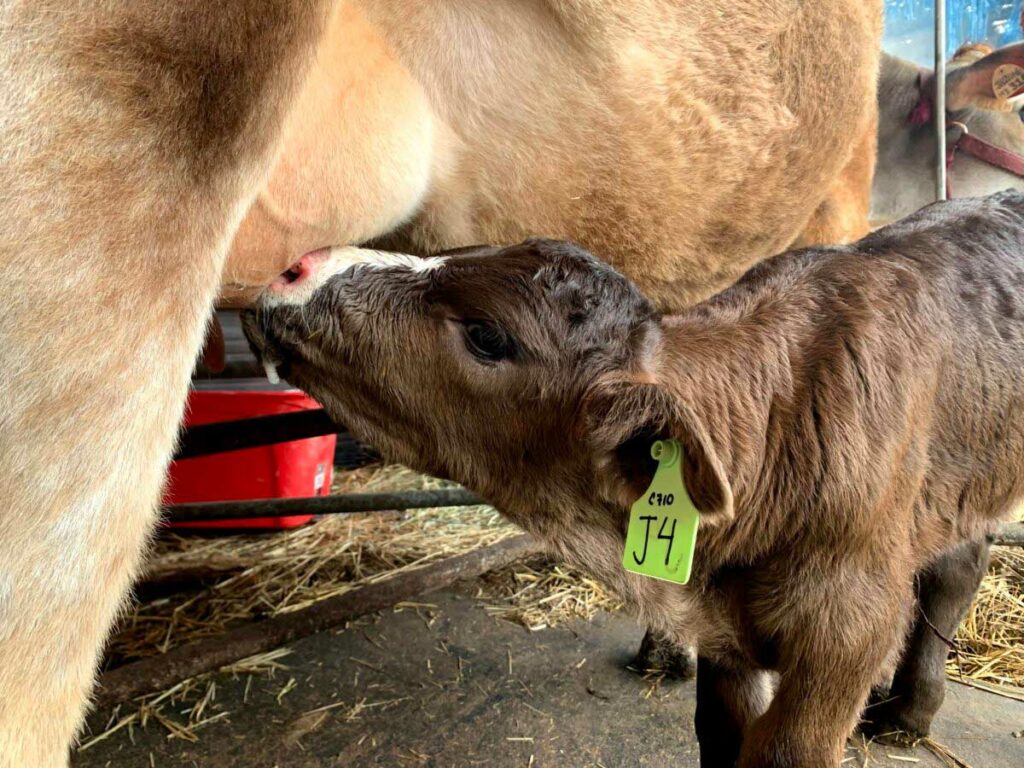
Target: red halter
{"x":979,"y":149}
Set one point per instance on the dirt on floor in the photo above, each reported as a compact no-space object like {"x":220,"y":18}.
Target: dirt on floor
{"x":441,"y":683}
{"x":201,"y":586}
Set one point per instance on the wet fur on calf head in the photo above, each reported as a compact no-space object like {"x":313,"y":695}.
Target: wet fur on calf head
{"x":568,"y":319}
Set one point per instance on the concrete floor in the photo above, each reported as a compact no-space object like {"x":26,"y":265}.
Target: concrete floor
{"x":446,"y":685}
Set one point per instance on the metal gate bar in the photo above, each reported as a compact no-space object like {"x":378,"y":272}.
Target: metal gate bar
{"x":320,"y":505}
{"x":940,"y":100}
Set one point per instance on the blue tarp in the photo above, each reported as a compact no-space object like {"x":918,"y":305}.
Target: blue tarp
{"x":909,"y":25}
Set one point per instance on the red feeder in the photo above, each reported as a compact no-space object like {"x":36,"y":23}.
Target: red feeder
{"x":283,"y":470}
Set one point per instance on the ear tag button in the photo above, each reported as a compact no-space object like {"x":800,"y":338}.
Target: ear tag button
{"x":1008,"y":81}
{"x":662,"y":533}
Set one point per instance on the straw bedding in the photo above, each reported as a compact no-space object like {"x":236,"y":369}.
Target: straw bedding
{"x":232,"y":579}
{"x":242,"y":578}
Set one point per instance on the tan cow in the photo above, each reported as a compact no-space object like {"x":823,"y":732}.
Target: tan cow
{"x":683,"y":140}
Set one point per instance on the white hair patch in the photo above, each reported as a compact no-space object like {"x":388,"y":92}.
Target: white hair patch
{"x":271,"y":370}
{"x":340,"y":259}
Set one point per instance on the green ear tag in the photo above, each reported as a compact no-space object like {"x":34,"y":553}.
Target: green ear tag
{"x":662,"y":533}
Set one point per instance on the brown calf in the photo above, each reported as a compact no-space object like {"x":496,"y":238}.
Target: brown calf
{"x":852,"y":419}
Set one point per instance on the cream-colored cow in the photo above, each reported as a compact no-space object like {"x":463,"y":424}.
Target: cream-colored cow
{"x":680,"y":141}
{"x":142,"y":141}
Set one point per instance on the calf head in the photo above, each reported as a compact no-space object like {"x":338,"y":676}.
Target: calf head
{"x":529,"y":374}
{"x":975,"y":104}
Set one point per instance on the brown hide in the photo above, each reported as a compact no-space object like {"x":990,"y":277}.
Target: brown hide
{"x":848,"y":416}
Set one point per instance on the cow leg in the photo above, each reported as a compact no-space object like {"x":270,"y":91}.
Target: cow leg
{"x":728,"y":700}
{"x":659,"y":653}
{"x":134,"y":135}
{"x":944,"y":593}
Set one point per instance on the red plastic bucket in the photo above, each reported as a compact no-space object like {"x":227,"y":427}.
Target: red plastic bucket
{"x":284,"y":470}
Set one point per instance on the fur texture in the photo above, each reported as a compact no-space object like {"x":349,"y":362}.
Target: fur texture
{"x":135,"y":137}
{"x":132,"y":139}
{"x":687,"y":140}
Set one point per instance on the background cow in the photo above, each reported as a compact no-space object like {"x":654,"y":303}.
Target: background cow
{"x":905,"y":170}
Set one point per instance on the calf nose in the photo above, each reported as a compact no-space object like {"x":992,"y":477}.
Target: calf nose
{"x":299,"y":272}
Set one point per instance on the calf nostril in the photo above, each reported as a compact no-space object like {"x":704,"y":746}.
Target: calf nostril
{"x":295,"y":274}
{"x":299,"y":271}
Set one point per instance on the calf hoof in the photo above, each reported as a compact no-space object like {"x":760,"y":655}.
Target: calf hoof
{"x":890,"y":734}
{"x":894,"y":726}
{"x":903,"y":720}
{"x":659,"y":655}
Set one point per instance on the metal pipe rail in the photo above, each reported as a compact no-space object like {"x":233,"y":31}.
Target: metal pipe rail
{"x":940,"y":100}
{"x":1009,"y":534}
{"x":320,"y":505}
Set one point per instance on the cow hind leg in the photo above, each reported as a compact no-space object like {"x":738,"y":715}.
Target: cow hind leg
{"x":944,"y":593}
{"x":134,"y":135}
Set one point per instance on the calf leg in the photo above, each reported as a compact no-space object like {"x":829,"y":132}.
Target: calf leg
{"x":133,"y":136}
{"x":944,"y":593}
{"x":657,"y":652}
{"x":812,"y":714}
{"x":834,"y":635}
{"x":728,"y":700}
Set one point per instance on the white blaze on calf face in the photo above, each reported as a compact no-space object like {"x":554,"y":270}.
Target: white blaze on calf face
{"x":315,"y":269}
{"x":323,"y":265}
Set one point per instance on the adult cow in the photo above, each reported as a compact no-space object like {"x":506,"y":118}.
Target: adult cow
{"x":681,"y":140}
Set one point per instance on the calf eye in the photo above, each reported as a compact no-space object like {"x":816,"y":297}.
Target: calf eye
{"x":487,"y":342}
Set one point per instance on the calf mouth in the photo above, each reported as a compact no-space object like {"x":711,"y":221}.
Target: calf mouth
{"x":271,"y":353}
{"x":280,"y":329}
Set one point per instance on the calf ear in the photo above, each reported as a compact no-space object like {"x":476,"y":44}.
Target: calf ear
{"x":623,"y":418}
{"x":988,"y":82}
